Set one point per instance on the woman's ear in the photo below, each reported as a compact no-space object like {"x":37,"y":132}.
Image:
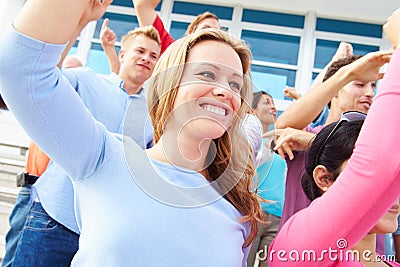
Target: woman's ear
{"x":322,"y":177}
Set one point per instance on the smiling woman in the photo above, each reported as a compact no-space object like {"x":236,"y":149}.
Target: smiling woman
{"x":198,"y":97}
{"x":200,"y":92}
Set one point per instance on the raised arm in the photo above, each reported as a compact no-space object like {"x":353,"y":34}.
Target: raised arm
{"x":40,"y":97}
{"x":146,"y":11}
{"x":108,"y":38}
{"x":299,"y":120}
{"x":344,"y":50}
{"x":301,"y":112}
{"x":366,"y":188}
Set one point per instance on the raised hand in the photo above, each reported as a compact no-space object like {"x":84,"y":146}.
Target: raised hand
{"x":291,"y":92}
{"x":107,"y":36}
{"x":344,"y":50}
{"x":288,"y":140}
{"x":367,"y":68}
{"x":94,"y":11}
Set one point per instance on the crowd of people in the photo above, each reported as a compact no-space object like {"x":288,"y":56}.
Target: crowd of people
{"x":200,"y":171}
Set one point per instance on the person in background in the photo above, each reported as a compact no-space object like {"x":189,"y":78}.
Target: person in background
{"x":327,"y":159}
{"x":71,"y":61}
{"x":355,"y":95}
{"x":344,"y":50}
{"x":147,"y":15}
{"x":36,"y":164}
{"x":359,"y":193}
{"x":271,"y":176}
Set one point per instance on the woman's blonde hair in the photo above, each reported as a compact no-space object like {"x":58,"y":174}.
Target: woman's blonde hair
{"x":234,"y":166}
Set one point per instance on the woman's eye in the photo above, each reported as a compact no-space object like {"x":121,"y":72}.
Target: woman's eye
{"x":235,"y":86}
{"x":208,"y":75}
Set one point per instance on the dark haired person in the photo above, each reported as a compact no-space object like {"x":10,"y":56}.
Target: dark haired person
{"x":271,"y":176}
{"x":356,"y":94}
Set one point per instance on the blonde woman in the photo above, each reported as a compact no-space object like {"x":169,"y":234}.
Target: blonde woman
{"x":184,"y":202}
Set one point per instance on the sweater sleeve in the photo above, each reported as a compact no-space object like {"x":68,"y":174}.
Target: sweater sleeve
{"x":47,"y":106}
{"x":363,"y":192}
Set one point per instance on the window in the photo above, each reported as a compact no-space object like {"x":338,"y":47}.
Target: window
{"x":120,"y":24}
{"x":272,"y":18}
{"x":195,"y":9}
{"x":272,"y":80}
{"x":178,"y":29}
{"x":326,"y":49}
{"x":348,"y":27}
{"x":271,"y":47}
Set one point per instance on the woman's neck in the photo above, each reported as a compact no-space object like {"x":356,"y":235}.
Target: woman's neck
{"x":176,"y":149}
{"x":367,"y":251}
{"x":266,"y":127}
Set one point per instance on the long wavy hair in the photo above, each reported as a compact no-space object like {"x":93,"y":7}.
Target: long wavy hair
{"x":234,"y":166}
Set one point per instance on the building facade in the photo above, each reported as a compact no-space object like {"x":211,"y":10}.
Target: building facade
{"x":289,"y":48}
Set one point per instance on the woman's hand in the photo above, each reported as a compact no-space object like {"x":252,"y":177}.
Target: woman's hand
{"x":94,"y":11}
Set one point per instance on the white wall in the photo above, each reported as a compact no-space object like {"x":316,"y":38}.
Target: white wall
{"x":369,"y":11}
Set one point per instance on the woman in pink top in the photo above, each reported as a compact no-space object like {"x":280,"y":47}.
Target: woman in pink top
{"x":327,"y":157}
{"x":334,"y":229}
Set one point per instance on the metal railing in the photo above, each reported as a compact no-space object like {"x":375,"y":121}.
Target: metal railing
{"x":16,"y":161}
{"x":22,"y":149}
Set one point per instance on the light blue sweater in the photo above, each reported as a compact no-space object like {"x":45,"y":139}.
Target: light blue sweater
{"x":107,"y":102}
{"x":121,"y":224}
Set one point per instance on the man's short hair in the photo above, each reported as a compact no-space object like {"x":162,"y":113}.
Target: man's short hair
{"x":146,"y":31}
{"x":335,"y":66}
